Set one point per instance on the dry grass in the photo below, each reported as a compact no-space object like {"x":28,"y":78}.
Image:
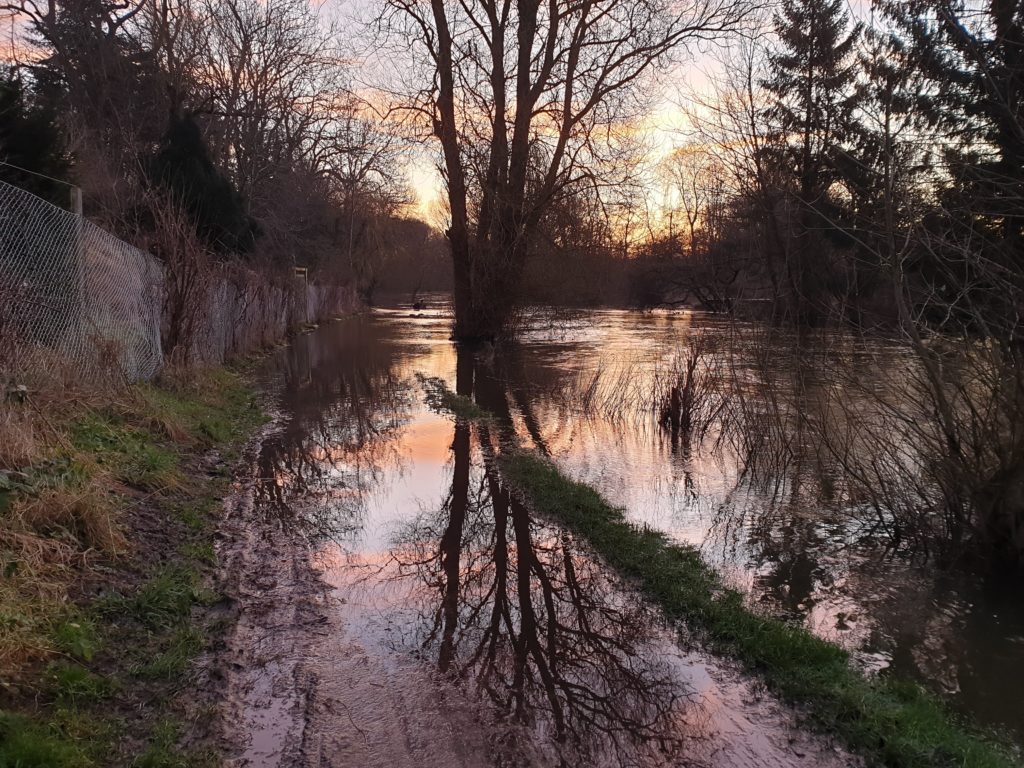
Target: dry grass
{"x":27,"y":625}
{"x":175,"y":377}
{"x":33,"y":595}
{"x":56,"y":516}
{"x":82,"y":516}
{"x":21,"y":443}
{"x":72,"y":461}
{"x":48,"y":539}
{"x":140,"y":408}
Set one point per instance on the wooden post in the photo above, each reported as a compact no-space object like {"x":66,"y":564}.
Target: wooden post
{"x":302,"y":273}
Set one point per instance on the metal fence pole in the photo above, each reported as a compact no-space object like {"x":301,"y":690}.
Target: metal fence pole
{"x":78,"y":266}
{"x":76,"y":201}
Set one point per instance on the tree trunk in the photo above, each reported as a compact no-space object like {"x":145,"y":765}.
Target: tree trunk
{"x":485,"y":293}
{"x":462,"y":294}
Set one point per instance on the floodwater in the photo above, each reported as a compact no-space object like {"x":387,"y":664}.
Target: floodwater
{"x":400,"y":606}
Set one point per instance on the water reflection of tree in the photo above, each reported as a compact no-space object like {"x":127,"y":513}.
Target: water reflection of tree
{"x":807,"y":502}
{"x":514,"y":606}
{"x":342,"y":400}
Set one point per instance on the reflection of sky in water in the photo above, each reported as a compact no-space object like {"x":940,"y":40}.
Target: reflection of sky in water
{"x":604,"y":672}
{"x":790,"y":543}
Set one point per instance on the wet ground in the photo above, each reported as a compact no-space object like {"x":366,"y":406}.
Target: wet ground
{"x":399,"y":605}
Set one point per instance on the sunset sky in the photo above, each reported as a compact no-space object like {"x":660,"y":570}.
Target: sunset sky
{"x":665,"y":128}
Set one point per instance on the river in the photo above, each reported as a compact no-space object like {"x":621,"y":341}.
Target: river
{"x":404,"y":639}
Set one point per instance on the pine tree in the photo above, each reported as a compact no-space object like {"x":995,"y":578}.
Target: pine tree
{"x":31,"y":143}
{"x":886,"y":160}
{"x":973,"y":59}
{"x":812,"y":78}
{"x":183,"y":169}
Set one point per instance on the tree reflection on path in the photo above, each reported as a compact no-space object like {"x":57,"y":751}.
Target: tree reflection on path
{"x":518,"y":608}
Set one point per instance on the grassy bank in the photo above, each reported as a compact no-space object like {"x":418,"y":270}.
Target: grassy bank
{"x":889,"y":722}
{"x":108,"y":507}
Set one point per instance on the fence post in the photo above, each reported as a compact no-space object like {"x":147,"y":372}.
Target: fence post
{"x":303,"y":274}
{"x":78,"y":256}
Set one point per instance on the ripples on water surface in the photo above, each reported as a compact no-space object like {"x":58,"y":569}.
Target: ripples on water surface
{"x":439,"y":565}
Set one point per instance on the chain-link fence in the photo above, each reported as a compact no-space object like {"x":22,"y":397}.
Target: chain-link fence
{"x":67,"y":286}
{"x":244,"y":311}
{"x":74,"y":294}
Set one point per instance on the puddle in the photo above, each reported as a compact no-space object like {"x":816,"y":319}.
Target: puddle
{"x":398,"y":606}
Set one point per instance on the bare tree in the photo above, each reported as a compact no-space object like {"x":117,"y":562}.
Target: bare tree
{"x":728,"y":121}
{"x":525,"y":100}
{"x":273,"y":78}
{"x":694,"y":179}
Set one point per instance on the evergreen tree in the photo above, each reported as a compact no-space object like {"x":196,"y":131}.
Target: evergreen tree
{"x":30,"y":139}
{"x":973,"y":59}
{"x":183,"y":169}
{"x":812,"y":78}
{"x":886,"y":160}
{"x":105,"y":77}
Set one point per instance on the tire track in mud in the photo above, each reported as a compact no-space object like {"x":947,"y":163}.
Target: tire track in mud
{"x":278,"y":606}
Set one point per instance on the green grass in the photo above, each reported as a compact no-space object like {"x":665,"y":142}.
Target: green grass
{"x":163,"y":602}
{"x":163,"y":752}
{"x":216,"y":409}
{"x":77,"y":636}
{"x":441,"y":399}
{"x":141,"y":442}
{"x":890,"y":722}
{"x":28,"y":744}
{"x":74,"y":684}
{"x":200,"y":551}
{"x":198,"y":514}
{"x":175,"y":658}
{"x":129,"y":452}
{"x":129,"y":643}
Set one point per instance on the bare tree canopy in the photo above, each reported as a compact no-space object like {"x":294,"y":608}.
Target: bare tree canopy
{"x":526,"y":100}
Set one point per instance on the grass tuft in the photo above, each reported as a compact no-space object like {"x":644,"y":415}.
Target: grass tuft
{"x":163,"y":602}
{"x":21,"y":439}
{"x":441,"y":399}
{"x":74,"y":684}
{"x":25,"y":744}
{"x":78,"y":637}
{"x":82,"y":514}
{"x":174,"y":660}
{"x":128,"y":452}
{"x":162,"y":751}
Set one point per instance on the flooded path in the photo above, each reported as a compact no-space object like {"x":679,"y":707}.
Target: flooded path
{"x":398,"y":605}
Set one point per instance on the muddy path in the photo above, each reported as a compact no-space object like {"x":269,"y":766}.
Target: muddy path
{"x":397,"y":605}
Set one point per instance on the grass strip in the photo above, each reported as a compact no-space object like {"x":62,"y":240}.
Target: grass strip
{"x":889,"y":722}
{"x":100,"y":657}
{"x":441,"y":399}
